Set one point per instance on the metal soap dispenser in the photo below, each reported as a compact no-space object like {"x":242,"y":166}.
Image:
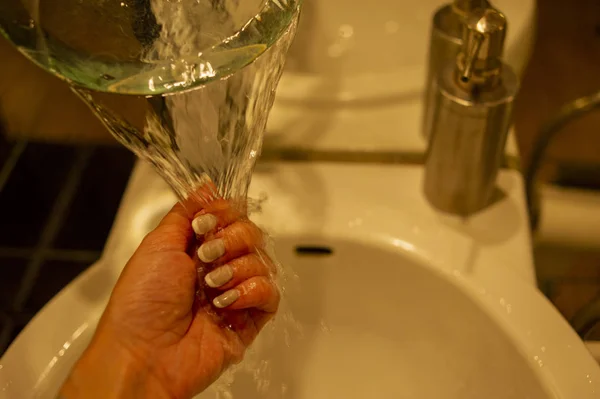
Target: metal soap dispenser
{"x":445,"y":43}
{"x":471,"y":116}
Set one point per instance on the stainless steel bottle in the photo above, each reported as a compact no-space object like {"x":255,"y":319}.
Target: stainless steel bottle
{"x":444,"y":45}
{"x":471,"y":116}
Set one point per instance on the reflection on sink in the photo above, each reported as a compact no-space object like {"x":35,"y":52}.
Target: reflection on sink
{"x":377,"y":324}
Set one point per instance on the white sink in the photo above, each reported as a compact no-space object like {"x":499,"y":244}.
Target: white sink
{"x":402,"y":302}
{"x":408,"y":304}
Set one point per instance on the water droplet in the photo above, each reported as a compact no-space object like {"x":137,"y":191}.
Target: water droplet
{"x":346,"y":31}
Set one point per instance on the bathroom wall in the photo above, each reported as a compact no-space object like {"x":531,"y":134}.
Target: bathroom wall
{"x":54,"y":220}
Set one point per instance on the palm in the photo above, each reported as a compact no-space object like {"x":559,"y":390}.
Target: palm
{"x":188,"y":342}
{"x":161,"y":322}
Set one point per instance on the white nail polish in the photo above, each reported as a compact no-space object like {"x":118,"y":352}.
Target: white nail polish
{"x":226,"y":299}
{"x":211,"y":250}
{"x":204,"y":223}
{"x":219,"y":276}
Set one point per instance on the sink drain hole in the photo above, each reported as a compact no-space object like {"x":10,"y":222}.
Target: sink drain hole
{"x":313,"y":250}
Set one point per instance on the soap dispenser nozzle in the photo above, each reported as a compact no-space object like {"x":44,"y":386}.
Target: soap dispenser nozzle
{"x":470,"y":58}
{"x":479,"y":63}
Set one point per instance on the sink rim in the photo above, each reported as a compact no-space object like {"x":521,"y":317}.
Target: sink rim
{"x":517,"y":293}
{"x":504,"y":297}
{"x":524,"y":325}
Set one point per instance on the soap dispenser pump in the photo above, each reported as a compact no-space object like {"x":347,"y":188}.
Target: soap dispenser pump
{"x":471,"y":116}
{"x":445,"y":42}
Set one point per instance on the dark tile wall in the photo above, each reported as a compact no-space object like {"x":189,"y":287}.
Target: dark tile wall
{"x":57,"y":205}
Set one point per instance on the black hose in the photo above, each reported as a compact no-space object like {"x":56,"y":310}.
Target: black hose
{"x":567,"y":113}
{"x":587,"y":318}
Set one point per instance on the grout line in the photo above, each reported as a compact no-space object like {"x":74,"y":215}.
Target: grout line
{"x":72,"y":255}
{"x":5,"y":172}
{"x":11,"y":162}
{"x":51,"y":228}
{"x":300,"y":154}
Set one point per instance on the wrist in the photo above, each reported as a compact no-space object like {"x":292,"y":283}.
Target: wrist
{"x":108,"y":370}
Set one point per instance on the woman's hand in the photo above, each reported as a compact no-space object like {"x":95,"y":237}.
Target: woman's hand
{"x":180,"y":315}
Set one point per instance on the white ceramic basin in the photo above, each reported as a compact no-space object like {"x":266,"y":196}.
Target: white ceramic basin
{"x":378,"y":323}
{"x":409,"y":304}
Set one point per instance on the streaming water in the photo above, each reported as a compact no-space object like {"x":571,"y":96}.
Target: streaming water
{"x":214,"y":131}
{"x":197,"y":117}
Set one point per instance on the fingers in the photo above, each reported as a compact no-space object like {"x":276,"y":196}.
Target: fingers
{"x":217,"y":215}
{"x":198,"y":200}
{"x":240,"y":238}
{"x":173,"y":232}
{"x":257,"y":292}
{"x":243,"y":274}
{"x":238,"y":270}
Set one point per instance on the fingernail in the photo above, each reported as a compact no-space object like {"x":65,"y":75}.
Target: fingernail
{"x":226,"y":299}
{"x":219,"y":276}
{"x":204,"y":223}
{"x":211,"y":250}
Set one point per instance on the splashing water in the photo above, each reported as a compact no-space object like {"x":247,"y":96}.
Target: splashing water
{"x":255,"y":376}
{"x":214,"y":132}
{"x":196,"y":116}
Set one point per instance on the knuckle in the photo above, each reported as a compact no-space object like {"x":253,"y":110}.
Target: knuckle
{"x":245,"y":234}
{"x":266,"y":288}
{"x":266,"y":262}
{"x":246,"y":268}
{"x":251,"y":231}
